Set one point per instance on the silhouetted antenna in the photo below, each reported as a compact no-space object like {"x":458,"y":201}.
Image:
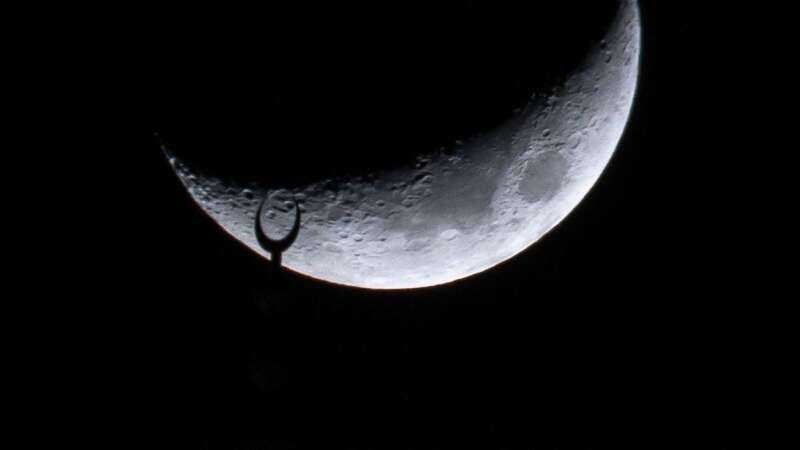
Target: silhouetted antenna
{"x":275,"y":248}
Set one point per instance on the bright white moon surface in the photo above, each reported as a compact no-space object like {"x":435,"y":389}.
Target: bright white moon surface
{"x":459,"y":211}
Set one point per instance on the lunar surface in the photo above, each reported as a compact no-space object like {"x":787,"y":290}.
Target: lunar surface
{"x":457,"y":211}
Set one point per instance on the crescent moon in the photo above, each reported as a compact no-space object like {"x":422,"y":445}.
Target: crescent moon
{"x":458,"y":211}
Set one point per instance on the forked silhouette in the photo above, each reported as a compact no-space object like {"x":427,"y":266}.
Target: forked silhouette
{"x":275,"y":248}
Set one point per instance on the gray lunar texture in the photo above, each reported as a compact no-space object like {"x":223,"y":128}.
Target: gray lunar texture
{"x":459,"y":211}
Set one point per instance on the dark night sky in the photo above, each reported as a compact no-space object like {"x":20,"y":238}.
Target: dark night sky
{"x":598,"y":333}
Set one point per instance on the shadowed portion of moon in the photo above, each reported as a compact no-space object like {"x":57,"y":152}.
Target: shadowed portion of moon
{"x":454,"y":211}
{"x":235,"y":101}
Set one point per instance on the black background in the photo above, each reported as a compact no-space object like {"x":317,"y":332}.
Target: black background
{"x":611,"y":329}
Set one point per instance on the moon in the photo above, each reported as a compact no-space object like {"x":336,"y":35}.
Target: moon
{"x":457,"y":211}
